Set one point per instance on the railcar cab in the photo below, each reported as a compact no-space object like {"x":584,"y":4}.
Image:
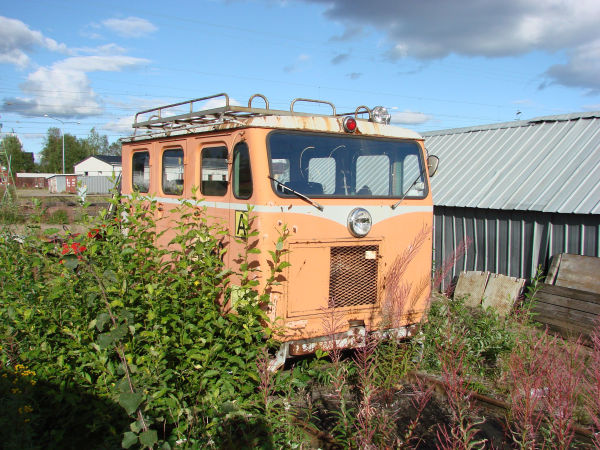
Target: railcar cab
{"x":352,"y":190}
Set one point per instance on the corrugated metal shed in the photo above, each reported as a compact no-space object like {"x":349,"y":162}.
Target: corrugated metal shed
{"x":547,"y":164}
{"x":517,"y":192}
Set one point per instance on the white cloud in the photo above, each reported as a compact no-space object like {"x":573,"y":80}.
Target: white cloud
{"x":107,"y":49}
{"x":17,"y":40}
{"x":61,"y":93}
{"x":121,"y":126}
{"x":434,"y":29}
{"x":99,"y":63}
{"x":410,"y":118}
{"x":130,"y":26}
{"x":64,"y":89}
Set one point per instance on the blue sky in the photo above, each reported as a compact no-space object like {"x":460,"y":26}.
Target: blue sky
{"x":435,"y":64}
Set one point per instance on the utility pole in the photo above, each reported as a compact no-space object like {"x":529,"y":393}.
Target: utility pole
{"x":63,"y":138}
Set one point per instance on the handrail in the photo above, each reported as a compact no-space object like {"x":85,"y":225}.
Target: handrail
{"x":366,"y":110}
{"x":311,"y":101}
{"x":261,"y":96}
{"x":190,"y":102}
{"x":154,"y":118}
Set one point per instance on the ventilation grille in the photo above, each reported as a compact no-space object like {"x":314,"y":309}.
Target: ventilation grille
{"x":353,"y":276}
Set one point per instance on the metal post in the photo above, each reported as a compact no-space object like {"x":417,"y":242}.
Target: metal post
{"x":63,"y":138}
{"x":63,"y":150}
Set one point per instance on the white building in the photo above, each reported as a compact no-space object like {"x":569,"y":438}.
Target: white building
{"x":102,"y":165}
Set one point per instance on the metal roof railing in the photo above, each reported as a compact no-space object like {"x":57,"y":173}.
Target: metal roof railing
{"x":170,"y":118}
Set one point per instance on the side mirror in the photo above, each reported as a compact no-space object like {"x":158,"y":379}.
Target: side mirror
{"x":432,"y":164}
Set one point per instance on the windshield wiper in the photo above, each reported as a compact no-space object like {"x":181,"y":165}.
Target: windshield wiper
{"x":302,"y":196}
{"x":395,"y":205}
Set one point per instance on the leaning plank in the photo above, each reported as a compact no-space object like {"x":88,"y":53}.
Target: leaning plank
{"x":579,"y":272}
{"x":553,"y":270}
{"x":471,"y":286}
{"x":501,"y":293}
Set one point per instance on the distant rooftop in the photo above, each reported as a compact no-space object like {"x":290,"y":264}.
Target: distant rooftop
{"x":549,"y":164}
{"x":109,"y":159}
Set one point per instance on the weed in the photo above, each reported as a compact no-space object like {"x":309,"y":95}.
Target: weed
{"x":58,"y":217}
{"x":487,"y":336}
{"x":10,"y":214}
{"x":592,"y":387}
{"x":460,"y":434}
{"x":565,"y":380}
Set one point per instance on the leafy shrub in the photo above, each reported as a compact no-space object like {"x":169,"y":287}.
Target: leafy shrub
{"x":10,"y":214}
{"x":486,"y":336}
{"x":119,"y":320}
{"x":58,"y":217}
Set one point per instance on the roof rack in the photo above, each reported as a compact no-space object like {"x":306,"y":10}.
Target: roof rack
{"x":160,"y":118}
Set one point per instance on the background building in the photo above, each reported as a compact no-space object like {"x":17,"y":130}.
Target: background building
{"x":103,"y":165}
{"x":520,"y":192}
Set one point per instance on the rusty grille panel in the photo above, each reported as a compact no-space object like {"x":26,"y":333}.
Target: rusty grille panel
{"x":353,"y":276}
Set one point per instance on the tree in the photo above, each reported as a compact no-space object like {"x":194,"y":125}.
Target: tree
{"x":20,"y":161}
{"x":114,"y":149}
{"x":76,"y":150}
{"x":95,"y":143}
{"x":52,"y":153}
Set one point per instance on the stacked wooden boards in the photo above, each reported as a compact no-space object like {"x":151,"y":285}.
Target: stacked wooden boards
{"x":569,"y":301}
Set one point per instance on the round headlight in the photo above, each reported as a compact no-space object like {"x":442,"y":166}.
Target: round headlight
{"x":359,"y":222}
{"x":380,"y":115}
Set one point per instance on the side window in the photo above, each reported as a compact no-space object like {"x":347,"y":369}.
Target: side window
{"x":140,"y":171}
{"x":172,"y":171}
{"x":214,"y":171}
{"x":372,"y":175}
{"x":242,"y":176}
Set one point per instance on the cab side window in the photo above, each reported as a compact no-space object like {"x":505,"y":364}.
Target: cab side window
{"x":172,"y":171}
{"x":242,"y":175}
{"x":214,"y":171}
{"x":140,"y":171}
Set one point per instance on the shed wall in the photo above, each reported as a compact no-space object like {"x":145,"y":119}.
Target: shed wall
{"x":509,"y":242}
{"x":97,"y":184}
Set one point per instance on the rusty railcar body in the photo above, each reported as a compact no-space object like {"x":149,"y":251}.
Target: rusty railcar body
{"x":352,"y":190}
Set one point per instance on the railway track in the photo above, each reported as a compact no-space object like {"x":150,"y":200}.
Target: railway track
{"x":494,"y":408}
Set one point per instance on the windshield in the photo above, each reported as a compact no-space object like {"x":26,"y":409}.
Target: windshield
{"x":319,"y":165}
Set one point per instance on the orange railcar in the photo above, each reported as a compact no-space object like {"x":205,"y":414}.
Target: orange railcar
{"x":352,"y":190}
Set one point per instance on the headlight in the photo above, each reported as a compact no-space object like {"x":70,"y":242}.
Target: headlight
{"x":380,"y":115}
{"x":359,"y":222}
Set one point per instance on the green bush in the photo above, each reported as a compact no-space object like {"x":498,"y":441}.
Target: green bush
{"x":58,"y":217}
{"x":486,"y":336}
{"x":109,"y":319}
{"x":10,"y":214}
